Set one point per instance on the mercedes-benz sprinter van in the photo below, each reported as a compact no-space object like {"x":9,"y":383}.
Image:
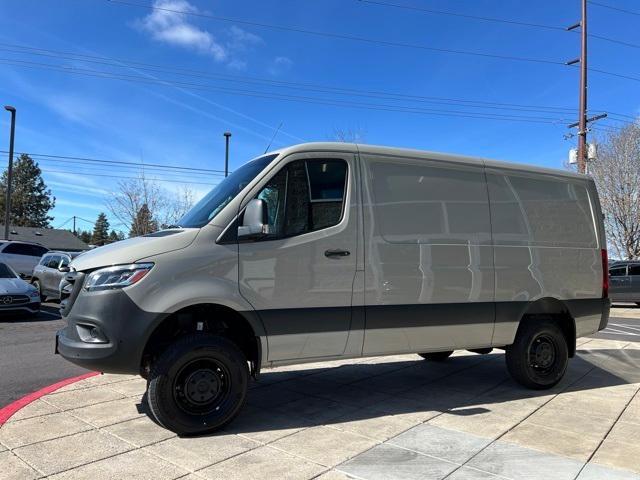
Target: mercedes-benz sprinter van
{"x":327,"y":251}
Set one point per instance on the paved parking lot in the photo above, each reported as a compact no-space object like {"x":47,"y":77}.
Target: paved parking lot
{"x":376,"y":418}
{"x":27,"y":361}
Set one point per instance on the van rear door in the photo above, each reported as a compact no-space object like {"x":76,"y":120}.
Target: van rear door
{"x":299,"y":277}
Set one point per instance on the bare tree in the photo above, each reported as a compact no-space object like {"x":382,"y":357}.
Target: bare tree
{"x":145,"y":206}
{"x":617,"y":175}
{"x":348,"y":135}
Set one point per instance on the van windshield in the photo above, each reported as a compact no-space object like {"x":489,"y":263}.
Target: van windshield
{"x":214,"y":201}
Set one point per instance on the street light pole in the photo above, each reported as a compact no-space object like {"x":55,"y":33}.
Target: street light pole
{"x":7,"y":204}
{"x":227,"y":135}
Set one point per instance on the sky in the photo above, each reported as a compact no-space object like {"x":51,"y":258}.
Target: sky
{"x":120,"y":81}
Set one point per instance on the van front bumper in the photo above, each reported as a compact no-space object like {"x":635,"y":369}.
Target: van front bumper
{"x":106,"y":332}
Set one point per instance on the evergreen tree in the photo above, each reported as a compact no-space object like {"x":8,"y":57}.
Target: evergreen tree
{"x":31,"y":200}
{"x":144,"y":222}
{"x":100,"y":230}
{"x":115,"y":236}
{"x":85,"y":236}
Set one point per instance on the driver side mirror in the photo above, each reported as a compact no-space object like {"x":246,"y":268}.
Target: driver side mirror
{"x":254,"y":222}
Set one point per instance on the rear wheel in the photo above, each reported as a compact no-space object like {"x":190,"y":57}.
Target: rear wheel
{"x":539,"y":356}
{"x":436,"y":356}
{"x":198,"y":384}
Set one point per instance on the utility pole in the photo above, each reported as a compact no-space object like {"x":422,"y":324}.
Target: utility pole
{"x":7,"y":204}
{"x":74,"y":224}
{"x":227,"y":135}
{"x":582,"y":119}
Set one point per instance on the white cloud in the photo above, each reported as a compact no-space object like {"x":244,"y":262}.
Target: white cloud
{"x":280,"y":65}
{"x":166,"y":25}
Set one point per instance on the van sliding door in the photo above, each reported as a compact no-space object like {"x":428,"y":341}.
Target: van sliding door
{"x":429,"y":277}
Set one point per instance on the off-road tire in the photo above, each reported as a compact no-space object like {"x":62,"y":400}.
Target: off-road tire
{"x":527,"y":357}
{"x":172,"y":401}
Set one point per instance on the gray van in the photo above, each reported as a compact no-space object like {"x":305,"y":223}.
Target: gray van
{"x":328,"y":251}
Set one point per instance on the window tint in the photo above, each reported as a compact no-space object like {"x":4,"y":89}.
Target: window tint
{"x":305,"y":196}
{"x":18,"y":249}
{"x":38,"y":251}
{"x":634,"y":270}
{"x":65,"y":262}
{"x":54,"y":261}
{"x":45,"y":260}
{"x":618,"y":272}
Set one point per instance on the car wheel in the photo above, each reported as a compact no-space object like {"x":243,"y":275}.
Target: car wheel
{"x":539,"y":356}
{"x":198,"y":384}
{"x":436,"y":356}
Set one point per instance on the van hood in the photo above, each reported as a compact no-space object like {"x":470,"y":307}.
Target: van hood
{"x":134,"y":249}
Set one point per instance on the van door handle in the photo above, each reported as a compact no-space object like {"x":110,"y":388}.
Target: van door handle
{"x":336,"y":253}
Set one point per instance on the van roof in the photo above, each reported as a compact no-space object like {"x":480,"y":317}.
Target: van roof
{"x":427,"y":155}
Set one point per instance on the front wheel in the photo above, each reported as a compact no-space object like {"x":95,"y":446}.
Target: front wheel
{"x":198,"y":384}
{"x":436,"y":356}
{"x":539,"y":356}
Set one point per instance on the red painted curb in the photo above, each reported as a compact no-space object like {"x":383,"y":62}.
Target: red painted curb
{"x":13,"y":407}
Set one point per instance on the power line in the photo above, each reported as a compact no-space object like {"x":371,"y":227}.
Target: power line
{"x":120,"y":162}
{"x":281,"y":83}
{"x":339,"y":35}
{"x":124,"y":177}
{"x":301,"y":86}
{"x":618,"y":9}
{"x":303,"y":99}
{"x":362,"y":39}
{"x":490,"y":19}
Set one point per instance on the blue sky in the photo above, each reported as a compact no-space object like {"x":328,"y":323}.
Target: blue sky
{"x":61,"y":113}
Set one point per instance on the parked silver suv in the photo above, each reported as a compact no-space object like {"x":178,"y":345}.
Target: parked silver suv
{"x":624,"y":281}
{"x":50,"y":271}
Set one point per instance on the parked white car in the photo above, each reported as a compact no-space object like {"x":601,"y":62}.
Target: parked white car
{"x":21,"y":256}
{"x":16,"y":295}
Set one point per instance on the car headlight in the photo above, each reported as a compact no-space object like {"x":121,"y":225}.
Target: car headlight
{"x":119,"y":276}
{"x":34,"y":293}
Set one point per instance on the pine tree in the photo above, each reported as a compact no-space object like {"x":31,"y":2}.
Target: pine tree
{"x":115,"y":236}
{"x":144,"y":222}
{"x":85,"y":236}
{"x":100,"y":230}
{"x":31,"y":200}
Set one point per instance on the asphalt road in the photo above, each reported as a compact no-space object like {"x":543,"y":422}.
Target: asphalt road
{"x":621,"y":329}
{"x":27,"y":361}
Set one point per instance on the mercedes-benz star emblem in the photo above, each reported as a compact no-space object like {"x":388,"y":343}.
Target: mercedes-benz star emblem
{"x":6,"y":300}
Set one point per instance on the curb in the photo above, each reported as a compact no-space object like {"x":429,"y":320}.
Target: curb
{"x":7,"y":412}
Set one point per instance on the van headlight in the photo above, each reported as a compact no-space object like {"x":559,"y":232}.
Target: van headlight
{"x":119,"y":276}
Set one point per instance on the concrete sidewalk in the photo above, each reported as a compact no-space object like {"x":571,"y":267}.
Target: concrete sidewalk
{"x":378,"y":418}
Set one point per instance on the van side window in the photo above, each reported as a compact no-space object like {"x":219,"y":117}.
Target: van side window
{"x":618,"y":272}
{"x":305,"y":196}
{"x":634,"y":270}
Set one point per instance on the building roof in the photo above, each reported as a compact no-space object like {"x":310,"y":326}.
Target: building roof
{"x":51,"y":238}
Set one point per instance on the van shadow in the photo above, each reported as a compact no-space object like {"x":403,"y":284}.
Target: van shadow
{"x":469,"y":386}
